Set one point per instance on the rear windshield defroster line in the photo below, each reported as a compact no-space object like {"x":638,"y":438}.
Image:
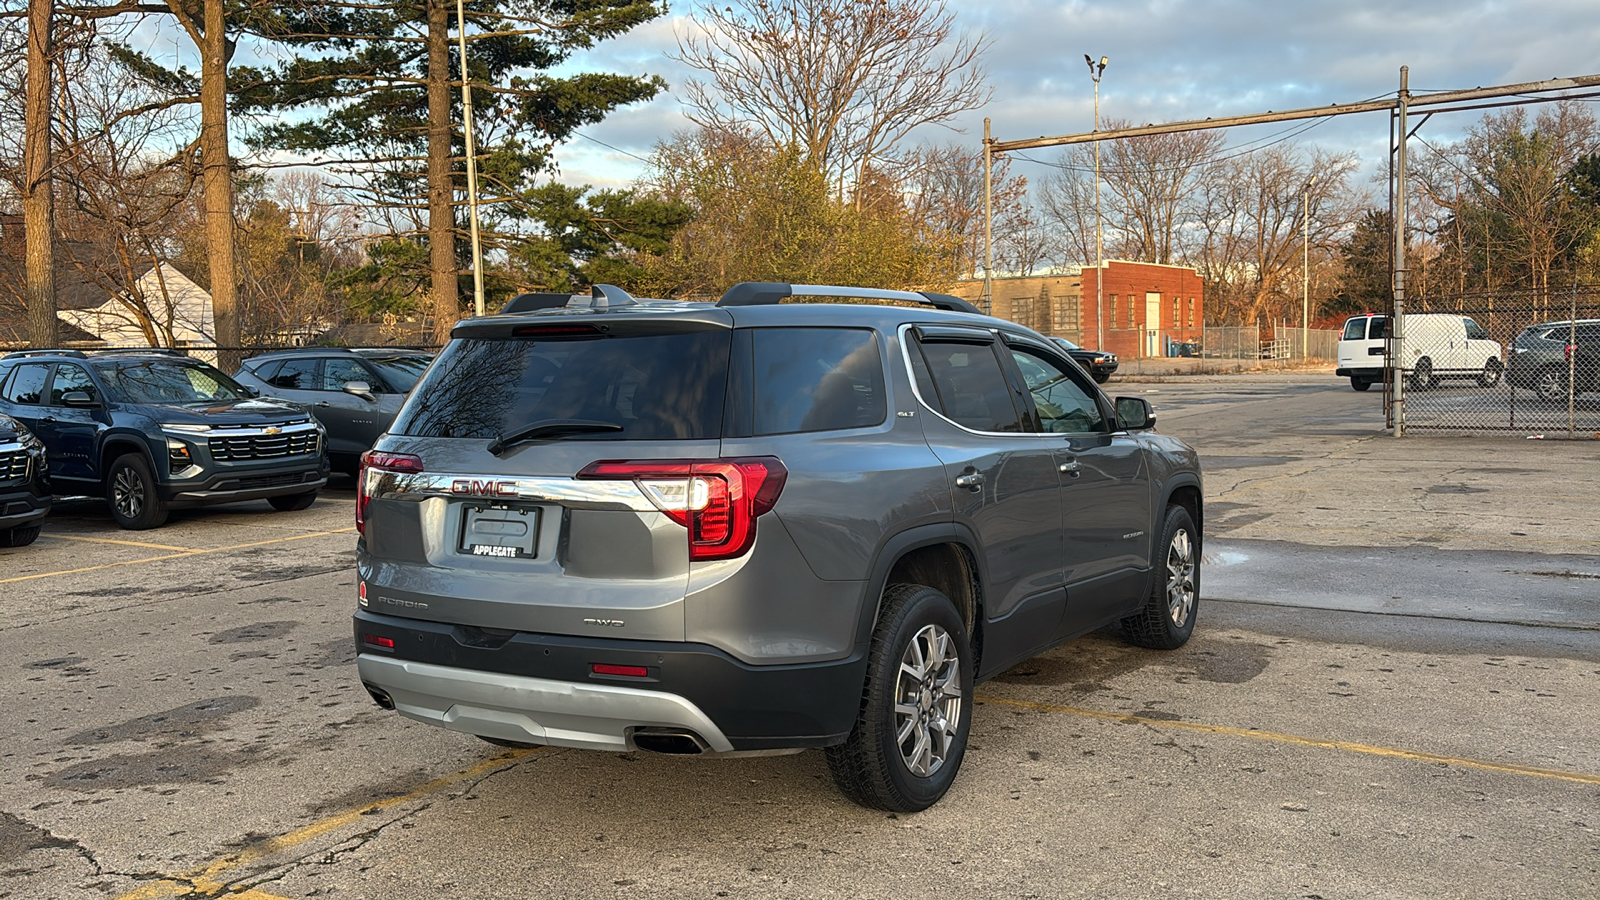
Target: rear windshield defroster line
{"x":653,"y":386}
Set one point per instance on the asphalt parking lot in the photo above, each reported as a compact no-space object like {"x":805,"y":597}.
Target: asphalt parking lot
{"x":1393,"y":691}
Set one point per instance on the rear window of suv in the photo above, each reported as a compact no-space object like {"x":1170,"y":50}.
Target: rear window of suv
{"x":655,"y":386}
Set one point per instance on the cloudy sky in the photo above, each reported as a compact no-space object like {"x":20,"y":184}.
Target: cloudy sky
{"x":1174,"y":60}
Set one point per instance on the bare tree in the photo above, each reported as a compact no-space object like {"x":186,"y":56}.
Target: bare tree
{"x":1252,"y":221}
{"x":1149,"y":186}
{"x":944,"y":190}
{"x":1511,"y":196}
{"x":846,"y":80}
{"x":1067,"y":198}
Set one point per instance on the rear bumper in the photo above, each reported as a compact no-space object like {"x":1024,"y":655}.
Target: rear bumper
{"x":1373,"y":373}
{"x":541,"y":689}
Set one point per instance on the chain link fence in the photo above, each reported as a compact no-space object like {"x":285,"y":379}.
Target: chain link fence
{"x":1526,"y":362}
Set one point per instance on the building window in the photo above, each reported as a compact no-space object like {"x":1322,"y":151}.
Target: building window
{"x":1175,"y":319}
{"x":1113,"y":318}
{"x":1191,"y":312}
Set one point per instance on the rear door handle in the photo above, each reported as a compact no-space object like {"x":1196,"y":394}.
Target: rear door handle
{"x":1071,"y":467}
{"x":323,"y":403}
{"x":972,"y":481}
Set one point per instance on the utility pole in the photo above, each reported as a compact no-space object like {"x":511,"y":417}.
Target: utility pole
{"x":472,"y":165}
{"x":1305,"y":271}
{"x":1398,"y":324}
{"x":988,"y":222}
{"x":38,"y":190}
{"x":1099,"y":252}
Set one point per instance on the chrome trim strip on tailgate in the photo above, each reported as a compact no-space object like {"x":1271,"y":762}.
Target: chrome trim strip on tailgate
{"x":565,"y":491}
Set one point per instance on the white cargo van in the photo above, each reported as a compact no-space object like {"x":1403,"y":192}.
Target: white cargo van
{"x":1435,"y":346}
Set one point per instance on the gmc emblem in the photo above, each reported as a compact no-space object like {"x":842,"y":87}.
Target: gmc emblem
{"x":483,"y":488}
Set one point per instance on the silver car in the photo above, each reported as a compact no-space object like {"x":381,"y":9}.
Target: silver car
{"x":355,"y":394}
{"x":758,"y":526}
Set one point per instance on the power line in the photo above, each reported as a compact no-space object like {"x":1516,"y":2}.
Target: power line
{"x":609,"y":147}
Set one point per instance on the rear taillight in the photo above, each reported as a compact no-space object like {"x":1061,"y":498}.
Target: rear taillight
{"x":380,"y":461}
{"x":1569,"y":351}
{"x":717,"y":500}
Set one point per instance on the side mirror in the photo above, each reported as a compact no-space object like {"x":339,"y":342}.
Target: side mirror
{"x":250,"y":391}
{"x":79,"y":398}
{"x":360,"y":389}
{"x":1135,"y":414}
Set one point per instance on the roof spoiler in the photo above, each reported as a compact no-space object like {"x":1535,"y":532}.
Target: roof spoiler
{"x":601,"y":296}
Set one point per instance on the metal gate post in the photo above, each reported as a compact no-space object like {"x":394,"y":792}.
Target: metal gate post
{"x":1397,"y":326}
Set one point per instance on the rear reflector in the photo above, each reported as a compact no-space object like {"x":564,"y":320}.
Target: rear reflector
{"x":378,"y":641}
{"x":626,"y":671}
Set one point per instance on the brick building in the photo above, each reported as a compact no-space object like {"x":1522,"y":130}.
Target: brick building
{"x":1147,"y":306}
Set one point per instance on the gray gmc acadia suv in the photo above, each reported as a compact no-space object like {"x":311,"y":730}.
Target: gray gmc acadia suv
{"x":758,"y":526}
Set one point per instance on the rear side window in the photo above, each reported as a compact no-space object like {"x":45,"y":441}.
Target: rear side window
{"x":816,"y":379}
{"x":1475,"y":331}
{"x":971,"y":388}
{"x":667,"y":386}
{"x":296,"y":375}
{"x":1379,"y":329}
{"x":27,"y":383}
{"x":1355,"y":330}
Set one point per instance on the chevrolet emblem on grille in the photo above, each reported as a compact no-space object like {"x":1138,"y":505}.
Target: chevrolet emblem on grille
{"x":271,"y":429}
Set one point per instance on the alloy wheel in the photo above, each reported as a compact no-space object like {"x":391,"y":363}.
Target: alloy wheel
{"x":1180,"y":578}
{"x":127,"y":492}
{"x":927,"y":709}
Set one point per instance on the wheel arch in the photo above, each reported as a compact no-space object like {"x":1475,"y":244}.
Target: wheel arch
{"x":1184,"y":490}
{"x":120,"y":443}
{"x":940,"y":556}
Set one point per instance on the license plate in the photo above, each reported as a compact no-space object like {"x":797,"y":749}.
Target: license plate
{"x":499,"y":532}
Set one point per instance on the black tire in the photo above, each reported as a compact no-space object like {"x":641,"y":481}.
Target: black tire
{"x":1359,"y":384}
{"x":1167,"y":618}
{"x":1422,"y":376}
{"x":131,"y":492}
{"x":291,"y":502}
{"x":1100,"y":379}
{"x":20,"y":536}
{"x":1550,"y":384}
{"x":1492,"y":371}
{"x":871,"y":767}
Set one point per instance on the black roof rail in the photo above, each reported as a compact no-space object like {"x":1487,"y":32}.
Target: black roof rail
{"x":19,"y":354}
{"x":762,"y":293}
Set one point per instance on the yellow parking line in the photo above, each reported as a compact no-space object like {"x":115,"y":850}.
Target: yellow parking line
{"x":90,"y":540}
{"x":1275,"y":737}
{"x":149,"y":559}
{"x":206,"y":880}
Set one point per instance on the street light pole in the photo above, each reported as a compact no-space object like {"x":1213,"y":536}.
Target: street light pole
{"x":1305,"y":270}
{"x":1099,"y":252}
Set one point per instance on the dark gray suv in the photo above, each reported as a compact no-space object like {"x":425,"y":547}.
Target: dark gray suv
{"x":759,"y":525}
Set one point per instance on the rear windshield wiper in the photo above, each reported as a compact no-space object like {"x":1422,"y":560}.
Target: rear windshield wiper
{"x":549,"y":428}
